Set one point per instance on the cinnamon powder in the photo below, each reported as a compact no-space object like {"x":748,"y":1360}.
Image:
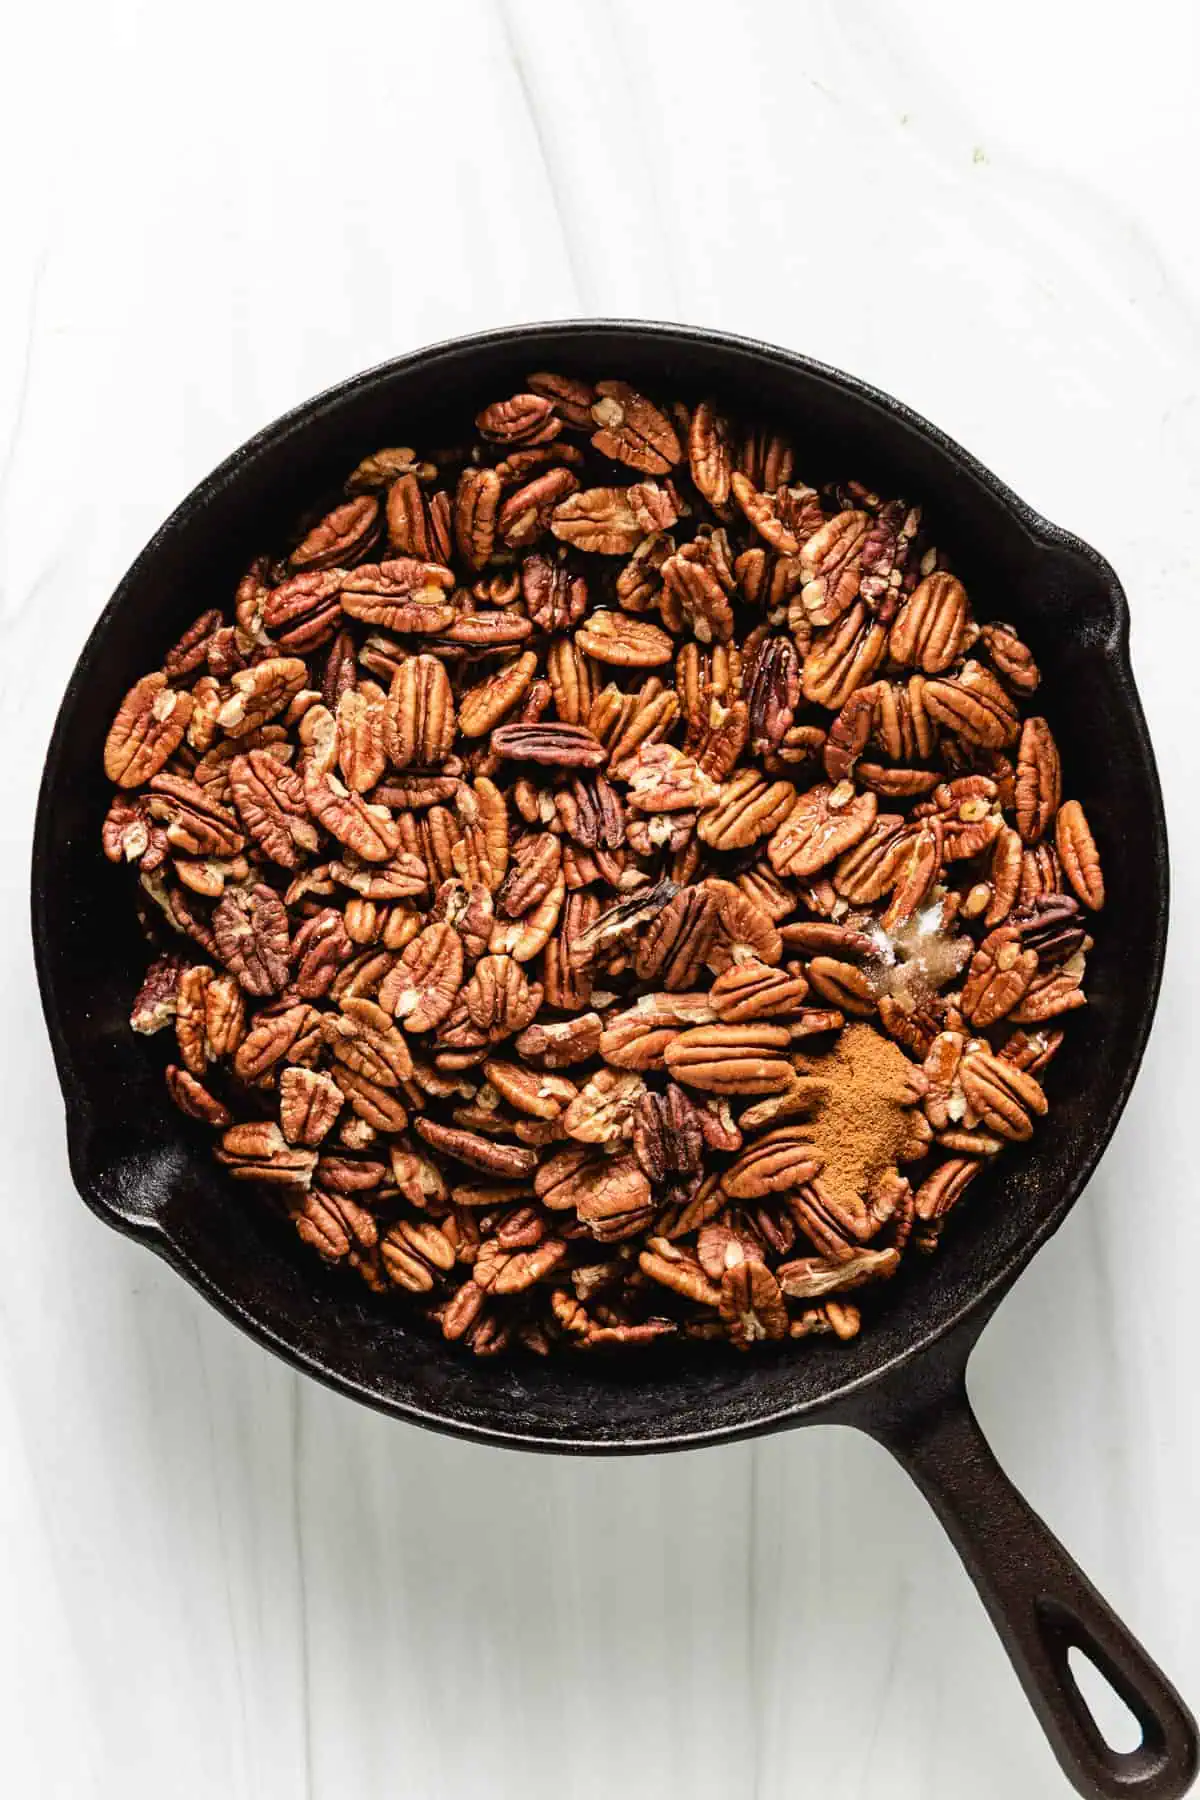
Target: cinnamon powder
{"x":860,"y":1107}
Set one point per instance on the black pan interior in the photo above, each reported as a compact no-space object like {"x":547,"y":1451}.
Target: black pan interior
{"x":146,"y":1169}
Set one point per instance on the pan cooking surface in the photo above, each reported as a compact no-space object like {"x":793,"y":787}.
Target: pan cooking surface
{"x":147,"y":1170}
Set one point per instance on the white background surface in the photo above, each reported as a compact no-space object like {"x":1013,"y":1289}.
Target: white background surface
{"x":218,"y":1580}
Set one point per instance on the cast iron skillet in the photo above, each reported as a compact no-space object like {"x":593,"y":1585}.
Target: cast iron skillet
{"x":147,"y":1172}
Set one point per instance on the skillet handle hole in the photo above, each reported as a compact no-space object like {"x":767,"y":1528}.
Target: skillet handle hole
{"x":1114,"y":1719}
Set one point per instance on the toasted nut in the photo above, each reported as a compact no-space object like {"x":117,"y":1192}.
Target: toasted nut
{"x":1078,"y":854}
{"x":731,"y":1059}
{"x":590,"y":953}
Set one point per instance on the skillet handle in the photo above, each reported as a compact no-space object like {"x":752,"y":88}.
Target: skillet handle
{"x":1042,"y":1605}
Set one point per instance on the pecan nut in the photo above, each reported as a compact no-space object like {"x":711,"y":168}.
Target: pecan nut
{"x":710,"y":455}
{"x":1078,"y":854}
{"x":524,"y":419}
{"x":343,"y":534}
{"x":999,"y":976}
{"x":603,"y":1110}
{"x":419,"y":717}
{"x":401,"y":594}
{"x":269,"y":798}
{"x":731,"y":1059}
{"x":930,"y":629}
{"x":499,"y":998}
{"x":555,"y":746}
{"x":260,"y":1152}
{"x":251,"y":931}
{"x":422,"y":987}
{"x":973,"y":706}
{"x":600,"y":520}
{"x":147,"y":730}
{"x":752,"y":1306}
{"x":309,"y":1104}
{"x":831,"y":566}
{"x":1039,"y":780}
{"x":612,"y":637}
{"x":822,"y":824}
{"x":632,"y":430}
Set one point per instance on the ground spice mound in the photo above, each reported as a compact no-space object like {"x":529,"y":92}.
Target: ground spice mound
{"x":862,"y":1097}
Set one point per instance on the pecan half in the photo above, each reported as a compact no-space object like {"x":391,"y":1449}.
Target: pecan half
{"x":554,"y":597}
{"x":843,"y":657}
{"x":974,"y":707}
{"x":662,"y":779}
{"x":269,"y":798}
{"x":361,"y":755}
{"x":499,"y":998}
{"x":192,"y":1097}
{"x":831,"y":566}
{"x":601,"y":520}
{"x":676,"y":942}
{"x":416,"y":1253}
{"x":524,"y":419}
{"x":1002,"y":1097}
{"x":560,"y":1043}
{"x":196,"y":823}
{"x":612,"y":637}
{"x":631,"y":429}
{"x":309,"y":1103}
{"x":731,"y":1059}
{"x":251,"y":931}
{"x":1078,"y":854}
{"x":364,"y":1038}
{"x":602,"y":1112}
{"x":710,"y":454}
{"x":299,"y":615}
{"x":419,"y":718}
{"x":752,"y":1306}
{"x":526,"y":514}
{"x":1013,"y":659}
{"x":556,"y":746}
{"x":423,"y":986}
{"x":822,"y":824}
{"x":931,"y":627}
{"x":401,"y":594}
{"x":750,"y":991}
{"x":775,"y":1163}
{"x":147,"y":730}
{"x":1039,"y":780}
{"x":260,"y":693}
{"x":416,"y":526}
{"x":999,"y":976}
{"x":748,"y":808}
{"x":343,"y":534}
{"x":260,"y":1152}
{"x":476,"y":509}
{"x":571,"y":398}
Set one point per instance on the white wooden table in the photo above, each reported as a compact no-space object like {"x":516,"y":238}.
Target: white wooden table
{"x":218,"y":1580}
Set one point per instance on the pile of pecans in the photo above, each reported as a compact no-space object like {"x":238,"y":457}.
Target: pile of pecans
{"x":537,"y":823}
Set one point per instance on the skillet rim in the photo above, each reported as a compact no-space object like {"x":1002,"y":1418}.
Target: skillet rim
{"x":964,"y":1322}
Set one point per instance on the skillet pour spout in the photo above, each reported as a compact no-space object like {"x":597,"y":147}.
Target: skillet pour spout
{"x":146,"y":1171}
